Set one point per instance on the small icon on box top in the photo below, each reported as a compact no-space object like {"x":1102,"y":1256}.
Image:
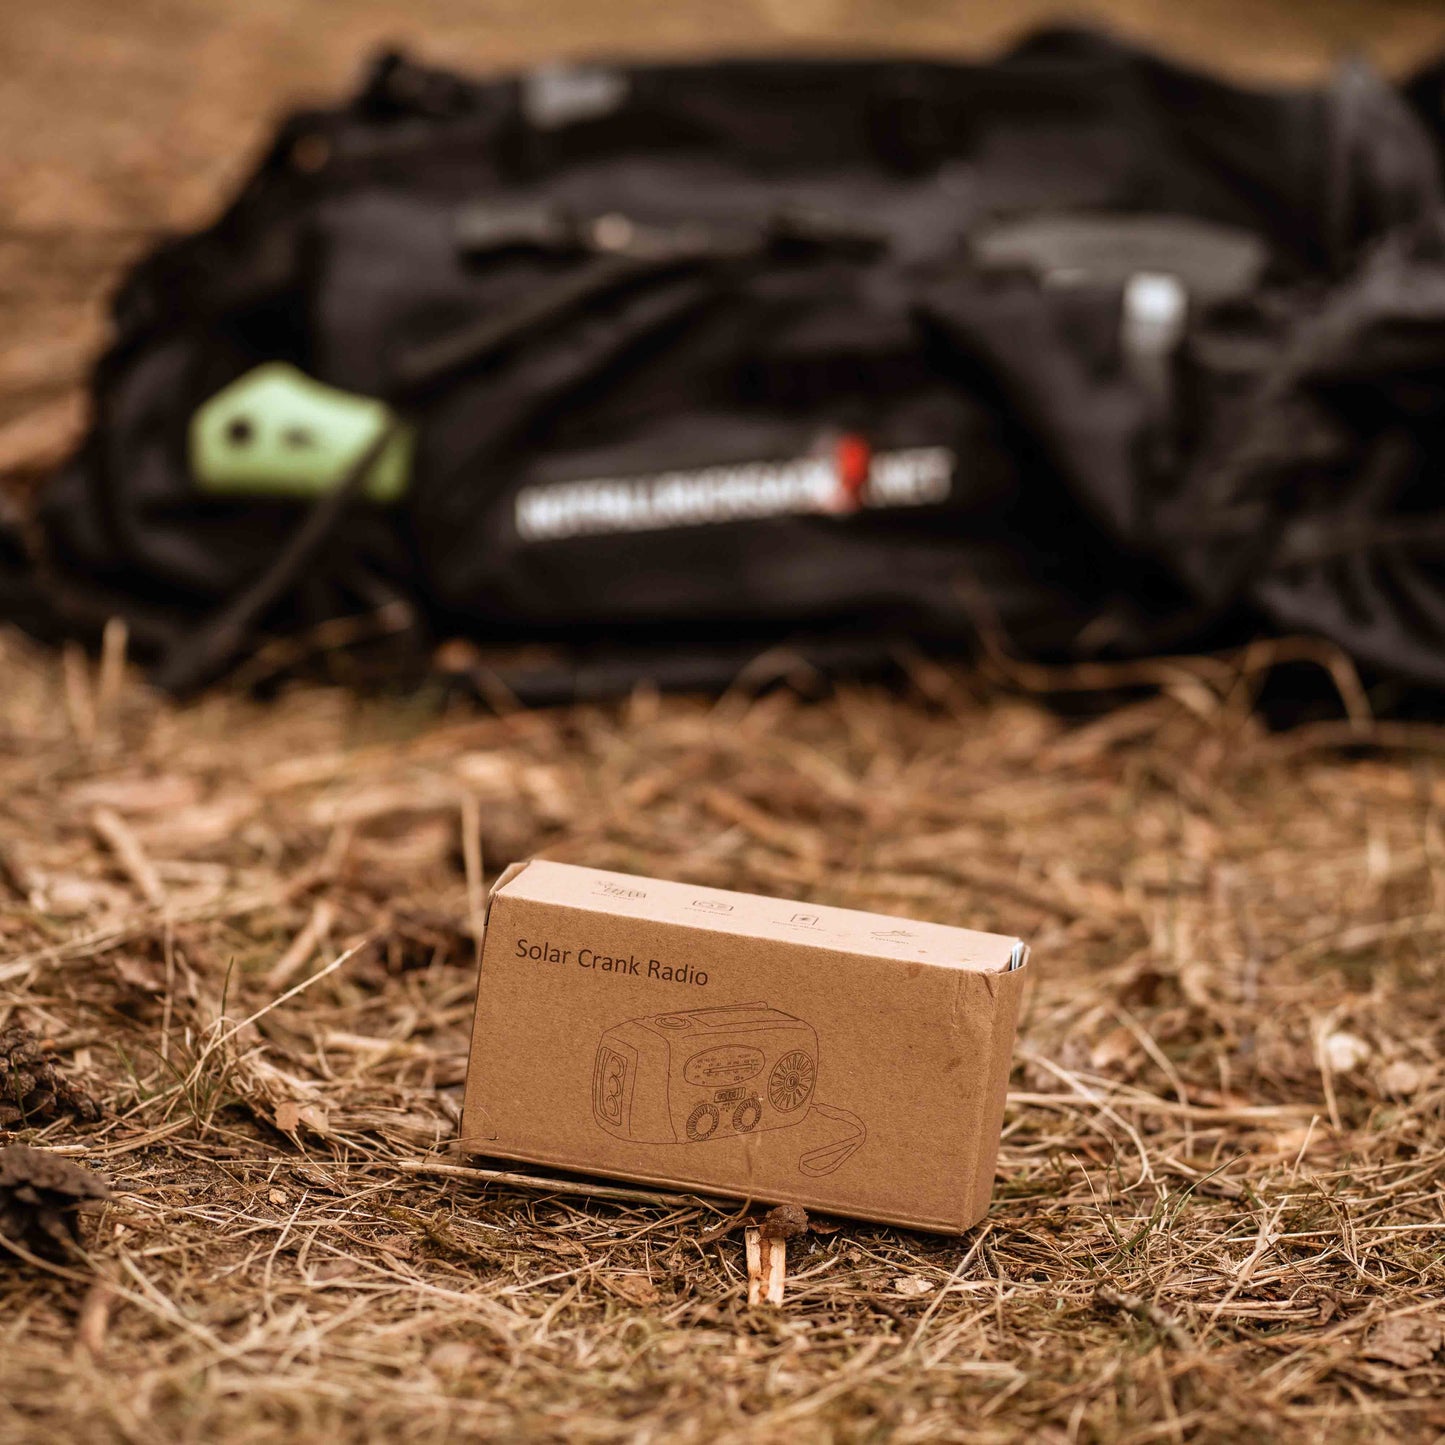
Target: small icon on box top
{"x":891,"y":933}
{"x":712,"y":905}
{"x":804,"y":920}
{"x":616,"y":890}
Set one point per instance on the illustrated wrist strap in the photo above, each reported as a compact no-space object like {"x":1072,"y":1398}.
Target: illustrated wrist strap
{"x":828,"y":1157}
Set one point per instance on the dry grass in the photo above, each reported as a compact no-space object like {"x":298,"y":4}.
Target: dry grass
{"x":1219,"y":1199}
{"x":1220,"y":1193}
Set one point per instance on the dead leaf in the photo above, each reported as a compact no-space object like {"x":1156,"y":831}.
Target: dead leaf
{"x":1402,"y":1079}
{"x":69,"y":896}
{"x":277,"y":1197}
{"x":316,"y":1118}
{"x":546,"y":789}
{"x":333,"y":1271}
{"x":487,"y":772}
{"x":1116,"y":1048}
{"x":913,"y":1286}
{"x":636,"y":1289}
{"x":1345,"y":1052}
{"x":1406,"y":1340}
{"x":452,"y":1357}
{"x":1288,"y":1143}
{"x":188,"y":829}
{"x":290,"y":1116}
{"x":148,"y":977}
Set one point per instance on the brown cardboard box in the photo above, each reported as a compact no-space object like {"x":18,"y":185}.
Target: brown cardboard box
{"x":731,"y":1044}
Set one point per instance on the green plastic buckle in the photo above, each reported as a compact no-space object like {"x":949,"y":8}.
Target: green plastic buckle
{"x":275,"y":432}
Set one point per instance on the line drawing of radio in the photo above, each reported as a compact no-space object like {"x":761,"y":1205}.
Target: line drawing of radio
{"x":692,"y":1075}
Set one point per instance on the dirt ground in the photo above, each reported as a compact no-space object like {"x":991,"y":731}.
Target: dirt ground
{"x":1219,"y":1201}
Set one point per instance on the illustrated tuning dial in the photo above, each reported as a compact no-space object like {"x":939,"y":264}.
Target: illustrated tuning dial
{"x":791,"y":1082}
{"x":746,"y":1116}
{"x":702,"y":1122}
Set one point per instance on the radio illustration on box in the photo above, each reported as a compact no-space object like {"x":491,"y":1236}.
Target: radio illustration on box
{"x":710,"y":1073}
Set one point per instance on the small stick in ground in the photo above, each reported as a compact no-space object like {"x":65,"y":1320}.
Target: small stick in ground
{"x":767,"y":1248}
{"x":753,"y":1243}
{"x":114,"y":642}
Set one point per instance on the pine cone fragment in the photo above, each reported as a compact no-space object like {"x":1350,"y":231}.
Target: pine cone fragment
{"x":787,"y":1221}
{"x":32,"y":1091}
{"x":42,"y":1196}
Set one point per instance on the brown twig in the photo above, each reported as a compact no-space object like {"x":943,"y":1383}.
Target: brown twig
{"x":303,"y":947}
{"x":116,"y":834}
{"x":542,"y":1184}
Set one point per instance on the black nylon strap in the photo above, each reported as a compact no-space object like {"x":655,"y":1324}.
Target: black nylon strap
{"x":205,"y":654}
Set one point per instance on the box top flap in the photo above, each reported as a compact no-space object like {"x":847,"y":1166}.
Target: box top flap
{"x":719,"y":910}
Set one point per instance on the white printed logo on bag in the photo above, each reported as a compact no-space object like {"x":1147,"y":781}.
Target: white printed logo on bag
{"x":840,"y":475}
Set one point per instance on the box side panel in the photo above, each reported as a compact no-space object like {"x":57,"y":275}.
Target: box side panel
{"x":477,"y":1128}
{"x":1007,"y":990}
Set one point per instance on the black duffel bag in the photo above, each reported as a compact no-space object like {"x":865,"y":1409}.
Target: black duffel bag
{"x":668,"y":365}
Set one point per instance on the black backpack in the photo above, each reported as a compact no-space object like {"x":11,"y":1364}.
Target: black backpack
{"x":667,"y":366}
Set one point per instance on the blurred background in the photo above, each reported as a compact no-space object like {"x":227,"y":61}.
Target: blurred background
{"x":118,"y":120}
{"x":144,"y":112}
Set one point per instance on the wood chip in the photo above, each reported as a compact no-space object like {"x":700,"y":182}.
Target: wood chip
{"x":913,"y":1286}
{"x":114,"y":642}
{"x":767,"y":1268}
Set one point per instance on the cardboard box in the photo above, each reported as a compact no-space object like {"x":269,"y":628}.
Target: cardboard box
{"x":736,"y":1045}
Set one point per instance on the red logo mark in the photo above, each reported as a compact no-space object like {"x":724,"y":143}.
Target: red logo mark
{"x":852,"y":460}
